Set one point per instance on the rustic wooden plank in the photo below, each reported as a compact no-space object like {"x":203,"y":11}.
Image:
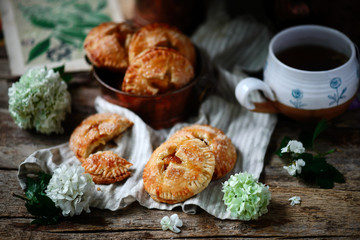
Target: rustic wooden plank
{"x":5,"y":68}
{"x":314,"y":217}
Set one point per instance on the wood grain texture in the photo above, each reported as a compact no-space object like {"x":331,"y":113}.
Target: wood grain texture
{"x":323,"y":214}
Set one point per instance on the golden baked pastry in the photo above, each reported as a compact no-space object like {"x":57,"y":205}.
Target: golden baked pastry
{"x":161,"y":35}
{"x":218,"y":142}
{"x":95,"y":130}
{"x":178,"y":170}
{"x":106,"y":45}
{"x":106,"y":167}
{"x":156,"y":71}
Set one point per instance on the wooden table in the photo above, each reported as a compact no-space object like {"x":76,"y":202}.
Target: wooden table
{"x":333,"y":213}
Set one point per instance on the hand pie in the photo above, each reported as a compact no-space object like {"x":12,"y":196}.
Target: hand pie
{"x":106,"y":45}
{"x":178,"y":170}
{"x":218,"y":142}
{"x":156,"y":71}
{"x":95,"y":130}
{"x":161,"y":35}
{"x":106,"y":167}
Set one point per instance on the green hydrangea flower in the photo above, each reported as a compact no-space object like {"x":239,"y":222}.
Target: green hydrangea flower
{"x":39,"y":100}
{"x":245,"y":197}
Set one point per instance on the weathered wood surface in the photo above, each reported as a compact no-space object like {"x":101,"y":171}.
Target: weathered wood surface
{"x":333,"y":213}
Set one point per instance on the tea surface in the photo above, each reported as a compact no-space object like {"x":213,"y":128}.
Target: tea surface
{"x":312,"y":57}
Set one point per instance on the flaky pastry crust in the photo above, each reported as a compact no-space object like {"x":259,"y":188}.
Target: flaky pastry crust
{"x":106,"y":45}
{"x":178,"y":170}
{"x":106,"y":167}
{"x":95,"y":130}
{"x":218,"y":142}
{"x":156,"y":71}
{"x":161,"y":35}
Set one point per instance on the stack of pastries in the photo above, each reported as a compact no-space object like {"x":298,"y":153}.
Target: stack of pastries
{"x":185,"y":164}
{"x":155,"y":59}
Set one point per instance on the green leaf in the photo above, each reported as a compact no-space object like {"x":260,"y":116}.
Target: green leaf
{"x":101,"y":5}
{"x":39,"y":49}
{"x":60,"y":69}
{"x":63,"y":75}
{"x":308,"y":136}
{"x":74,"y":32}
{"x":324,"y":182}
{"x":46,"y":221}
{"x":66,"y":38}
{"x":38,"y":203}
{"x":85,"y":7}
{"x":320,"y":127}
{"x":100,"y":17}
{"x":42,"y":22}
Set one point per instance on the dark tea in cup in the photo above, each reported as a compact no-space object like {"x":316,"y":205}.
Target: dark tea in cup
{"x":312,"y":57}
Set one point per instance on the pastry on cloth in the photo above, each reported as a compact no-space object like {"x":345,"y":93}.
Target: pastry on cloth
{"x":178,"y":170}
{"x":218,"y":142}
{"x":106,"y":167}
{"x":95,"y":130}
{"x":106,"y":45}
{"x":157,"y":70}
{"x":161,"y":35}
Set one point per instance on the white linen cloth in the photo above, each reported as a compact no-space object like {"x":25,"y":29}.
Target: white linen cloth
{"x":233,"y":45}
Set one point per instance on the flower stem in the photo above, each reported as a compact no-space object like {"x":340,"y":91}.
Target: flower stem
{"x":19,"y":196}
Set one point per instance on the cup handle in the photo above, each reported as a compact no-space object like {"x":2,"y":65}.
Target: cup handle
{"x":248,"y":85}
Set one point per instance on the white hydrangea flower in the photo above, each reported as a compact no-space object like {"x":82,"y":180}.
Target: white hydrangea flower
{"x":296,"y":167}
{"x":40,"y":100}
{"x":294,"y":200}
{"x":173,"y":223}
{"x":293,"y":146}
{"x":71,"y":189}
{"x":245,"y":197}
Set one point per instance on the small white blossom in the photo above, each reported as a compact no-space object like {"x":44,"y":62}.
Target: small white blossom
{"x":293,"y":146}
{"x":171,"y":223}
{"x":299,"y":164}
{"x":296,"y":167}
{"x":291,"y":169}
{"x":294,"y":200}
{"x":71,"y":189}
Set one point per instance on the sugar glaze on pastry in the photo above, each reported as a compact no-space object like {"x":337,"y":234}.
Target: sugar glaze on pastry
{"x":161,"y":35}
{"x":106,"y":167}
{"x":218,"y":142}
{"x":178,"y":170}
{"x":95,"y":130}
{"x":106,"y":45}
{"x":156,"y":71}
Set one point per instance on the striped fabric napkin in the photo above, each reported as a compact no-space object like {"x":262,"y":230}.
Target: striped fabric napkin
{"x":233,"y":45}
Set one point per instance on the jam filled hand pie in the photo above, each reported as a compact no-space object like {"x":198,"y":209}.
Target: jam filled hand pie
{"x":161,"y":35}
{"x":106,"y":167}
{"x":218,"y":142}
{"x":178,"y":169}
{"x":106,"y":45}
{"x":95,"y":130}
{"x":156,"y":71}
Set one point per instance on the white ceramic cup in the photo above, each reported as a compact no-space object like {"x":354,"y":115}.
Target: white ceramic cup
{"x":300,"y":94}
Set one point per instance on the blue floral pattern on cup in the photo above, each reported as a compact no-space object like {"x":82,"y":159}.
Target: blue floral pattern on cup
{"x":298,"y":95}
{"x":335,"y":83}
